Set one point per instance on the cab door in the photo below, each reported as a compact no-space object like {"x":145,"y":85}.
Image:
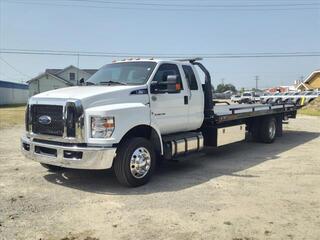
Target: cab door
{"x":169,"y":111}
{"x":196,"y":98}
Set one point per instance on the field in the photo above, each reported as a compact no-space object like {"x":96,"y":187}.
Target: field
{"x":11,"y":116}
{"x":239,"y":192}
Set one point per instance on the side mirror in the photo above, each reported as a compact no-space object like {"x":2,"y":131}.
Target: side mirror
{"x":172,"y":85}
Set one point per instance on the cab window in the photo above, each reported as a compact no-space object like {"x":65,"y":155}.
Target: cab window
{"x":191,"y":78}
{"x":166,"y":70}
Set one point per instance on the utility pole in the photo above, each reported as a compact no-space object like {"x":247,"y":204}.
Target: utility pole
{"x":257,"y":79}
{"x":222,"y":81}
{"x":78,"y":60}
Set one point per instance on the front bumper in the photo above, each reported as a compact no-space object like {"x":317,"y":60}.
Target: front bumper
{"x":68,"y":156}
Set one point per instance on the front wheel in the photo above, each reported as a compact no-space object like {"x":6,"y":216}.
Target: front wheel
{"x":135,"y":162}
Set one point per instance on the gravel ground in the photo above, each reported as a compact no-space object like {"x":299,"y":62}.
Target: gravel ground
{"x":242,"y":191}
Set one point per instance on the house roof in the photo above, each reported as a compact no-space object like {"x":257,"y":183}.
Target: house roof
{"x":6,"y":84}
{"x":305,"y":83}
{"x":54,"y":76}
{"x":56,"y":71}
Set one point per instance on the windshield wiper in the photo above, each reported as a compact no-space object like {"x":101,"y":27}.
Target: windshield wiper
{"x":113,"y":82}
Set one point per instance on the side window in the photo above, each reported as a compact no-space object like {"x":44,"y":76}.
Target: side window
{"x":72,"y":76}
{"x":191,"y":78}
{"x":165,"y":70}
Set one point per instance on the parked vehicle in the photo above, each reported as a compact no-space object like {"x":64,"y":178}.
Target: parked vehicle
{"x":298,"y":98}
{"x":249,"y":97}
{"x":271,"y":98}
{"x":134,"y":113}
{"x":235,"y":98}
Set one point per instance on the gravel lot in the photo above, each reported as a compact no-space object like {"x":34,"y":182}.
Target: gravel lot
{"x":242,"y":191}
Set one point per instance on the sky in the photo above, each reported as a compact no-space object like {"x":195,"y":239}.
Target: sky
{"x":105,"y":28}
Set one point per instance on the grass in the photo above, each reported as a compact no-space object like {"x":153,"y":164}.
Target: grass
{"x":11,"y":116}
{"x":311,"y":109}
{"x":310,"y":112}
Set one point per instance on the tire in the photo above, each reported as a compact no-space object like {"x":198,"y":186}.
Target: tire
{"x":255,"y":132}
{"x":51,"y":168}
{"x":127,"y":170}
{"x":269,"y":101}
{"x":267,"y":131}
{"x":278,"y":101}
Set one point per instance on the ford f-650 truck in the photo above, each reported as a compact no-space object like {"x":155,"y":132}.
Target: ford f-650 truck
{"x":133,"y":113}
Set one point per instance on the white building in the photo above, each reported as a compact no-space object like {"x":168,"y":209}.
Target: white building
{"x":13,"y":93}
{"x":58,"y":78}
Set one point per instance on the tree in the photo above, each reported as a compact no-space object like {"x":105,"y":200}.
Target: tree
{"x":225,"y":87}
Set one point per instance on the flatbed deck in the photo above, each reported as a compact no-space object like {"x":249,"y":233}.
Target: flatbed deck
{"x":225,"y":113}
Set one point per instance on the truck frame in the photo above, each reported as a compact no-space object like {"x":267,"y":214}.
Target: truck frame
{"x":130,"y":126}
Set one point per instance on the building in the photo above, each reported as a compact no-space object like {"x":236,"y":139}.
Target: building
{"x":13,"y":93}
{"x":312,"y":82}
{"x":281,"y":89}
{"x":58,"y":78}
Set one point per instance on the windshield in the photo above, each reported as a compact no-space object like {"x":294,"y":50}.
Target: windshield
{"x":124,"y":73}
{"x":246,"y":94}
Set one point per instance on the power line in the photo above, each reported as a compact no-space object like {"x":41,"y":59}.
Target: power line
{"x":160,"y":55}
{"x":257,"y":7}
{"x":14,"y":68}
{"x":196,"y":5}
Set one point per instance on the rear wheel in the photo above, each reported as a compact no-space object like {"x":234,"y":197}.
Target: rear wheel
{"x":51,"y":168}
{"x":264,"y":130}
{"x":267,"y":133}
{"x":135,"y":162}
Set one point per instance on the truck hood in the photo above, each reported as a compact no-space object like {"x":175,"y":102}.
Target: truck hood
{"x":92,"y":96}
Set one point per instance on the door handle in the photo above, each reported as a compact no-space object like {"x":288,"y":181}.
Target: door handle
{"x":186,"y":100}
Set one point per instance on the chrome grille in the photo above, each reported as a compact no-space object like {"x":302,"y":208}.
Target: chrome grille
{"x":67,"y":121}
{"x":54,"y":112}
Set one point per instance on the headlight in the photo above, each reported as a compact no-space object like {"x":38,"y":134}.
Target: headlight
{"x":102,"y":127}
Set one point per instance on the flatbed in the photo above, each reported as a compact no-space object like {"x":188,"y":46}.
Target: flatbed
{"x":225,"y":113}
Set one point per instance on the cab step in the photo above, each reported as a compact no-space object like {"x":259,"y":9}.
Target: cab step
{"x":177,"y":145}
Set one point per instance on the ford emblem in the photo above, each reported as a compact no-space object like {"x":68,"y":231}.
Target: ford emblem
{"x":45,"y":120}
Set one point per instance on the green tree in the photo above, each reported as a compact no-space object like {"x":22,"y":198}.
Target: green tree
{"x":225,"y":87}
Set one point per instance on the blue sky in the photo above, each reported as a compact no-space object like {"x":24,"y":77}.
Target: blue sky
{"x":28,"y":26}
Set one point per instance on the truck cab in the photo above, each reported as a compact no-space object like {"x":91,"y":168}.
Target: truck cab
{"x":123,"y":103}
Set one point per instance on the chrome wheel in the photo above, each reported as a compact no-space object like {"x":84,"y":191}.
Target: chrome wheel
{"x":140,"y":162}
{"x":272,"y":130}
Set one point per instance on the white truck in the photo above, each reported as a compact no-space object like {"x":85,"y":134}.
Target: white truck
{"x":133,"y":113}
{"x":249,"y":97}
